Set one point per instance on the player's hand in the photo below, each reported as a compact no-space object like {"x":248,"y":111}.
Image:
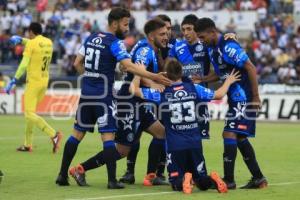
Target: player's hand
{"x":157,"y":86}
{"x":256,"y":103}
{"x":232,"y":36}
{"x":10,"y":85}
{"x":197,"y":79}
{"x":233,"y":77}
{"x":162,"y":79}
{"x":15,"y":39}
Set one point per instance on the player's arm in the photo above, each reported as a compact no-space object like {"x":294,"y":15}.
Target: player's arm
{"x":135,"y":87}
{"x":236,"y":55}
{"x":78,"y":63}
{"x":21,"y":68}
{"x":208,"y":94}
{"x":251,"y":70}
{"x":15,"y":39}
{"x":79,"y":60}
{"x":211,"y":77}
{"x":222,"y":91}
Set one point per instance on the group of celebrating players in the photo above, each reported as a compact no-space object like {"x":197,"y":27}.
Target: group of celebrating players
{"x":164,"y":93}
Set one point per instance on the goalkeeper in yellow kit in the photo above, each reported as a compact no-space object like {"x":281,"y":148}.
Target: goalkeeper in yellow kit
{"x":36,"y":59}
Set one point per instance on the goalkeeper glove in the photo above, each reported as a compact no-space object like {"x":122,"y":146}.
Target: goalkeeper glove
{"x":15,"y":39}
{"x":10,"y":85}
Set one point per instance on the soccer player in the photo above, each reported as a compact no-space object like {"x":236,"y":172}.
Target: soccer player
{"x":178,"y":106}
{"x":100,"y":54}
{"x":35,"y":62}
{"x":243,"y":100}
{"x":135,"y":115}
{"x":193,"y":56}
{"x":155,"y":145}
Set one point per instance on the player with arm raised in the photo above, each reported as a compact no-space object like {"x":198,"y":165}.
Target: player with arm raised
{"x":243,"y":100}
{"x":135,"y":115}
{"x":155,"y":145}
{"x":178,"y":110}
{"x":97,"y":61}
{"x":35,"y":62}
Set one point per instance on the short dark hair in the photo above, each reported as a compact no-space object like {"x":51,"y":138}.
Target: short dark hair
{"x":173,"y":69}
{"x":204,"y":23}
{"x":36,"y":28}
{"x":165,"y":18}
{"x":190,"y":19}
{"x":153,"y":25}
{"x":117,"y":13}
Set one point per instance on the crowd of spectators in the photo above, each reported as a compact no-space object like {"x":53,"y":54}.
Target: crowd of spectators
{"x":274,"y":45}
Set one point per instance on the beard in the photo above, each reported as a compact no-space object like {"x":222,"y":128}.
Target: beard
{"x":120,"y":34}
{"x":160,"y":44}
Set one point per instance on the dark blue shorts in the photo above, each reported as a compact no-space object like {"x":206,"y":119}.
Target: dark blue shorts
{"x":187,"y":160}
{"x":134,"y":117}
{"x":96,"y":111}
{"x":203,"y":120}
{"x":240,"y":119}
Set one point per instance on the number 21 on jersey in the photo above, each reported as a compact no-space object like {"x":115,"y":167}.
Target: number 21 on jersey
{"x":92,"y":58}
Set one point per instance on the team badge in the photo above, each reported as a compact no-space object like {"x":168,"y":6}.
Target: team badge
{"x":199,"y":47}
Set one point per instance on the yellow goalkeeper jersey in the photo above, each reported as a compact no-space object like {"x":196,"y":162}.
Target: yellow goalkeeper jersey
{"x":39,"y":50}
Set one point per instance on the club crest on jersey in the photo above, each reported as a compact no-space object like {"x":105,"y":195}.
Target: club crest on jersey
{"x":130,"y":137}
{"x":102,"y":121}
{"x":144,"y":51}
{"x":199,"y":47}
{"x":97,"y":40}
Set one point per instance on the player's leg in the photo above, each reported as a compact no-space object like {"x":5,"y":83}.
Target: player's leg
{"x":30,"y":102}
{"x":32,"y":96}
{"x":84,"y":122}
{"x":176,"y":166}
{"x":229,"y":157}
{"x":129,"y":177}
{"x":78,"y":172}
{"x":69,"y":152}
{"x":199,"y":171}
{"x":258,"y":180}
{"x":157,"y":130}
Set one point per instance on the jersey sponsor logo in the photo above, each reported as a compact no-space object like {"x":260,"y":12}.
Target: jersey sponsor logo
{"x":201,"y":54}
{"x":174,"y":174}
{"x":242,"y":127}
{"x":231,"y":51}
{"x":97,"y":40}
{"x":180,"y":94}
{"x":178,"y":88}
{"x":180,"y":47}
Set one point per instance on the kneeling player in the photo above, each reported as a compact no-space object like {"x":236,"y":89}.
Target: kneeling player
{"x":179,"y":103}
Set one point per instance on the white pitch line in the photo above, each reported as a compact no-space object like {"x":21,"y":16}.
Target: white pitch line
{"x":124,"y":196}
{"x":161,"y":193}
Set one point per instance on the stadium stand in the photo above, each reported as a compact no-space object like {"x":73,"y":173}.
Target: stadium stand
{"x":274,"y":44}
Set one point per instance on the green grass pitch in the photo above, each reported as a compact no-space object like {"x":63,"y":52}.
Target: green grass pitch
{"x":32,"y":175}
